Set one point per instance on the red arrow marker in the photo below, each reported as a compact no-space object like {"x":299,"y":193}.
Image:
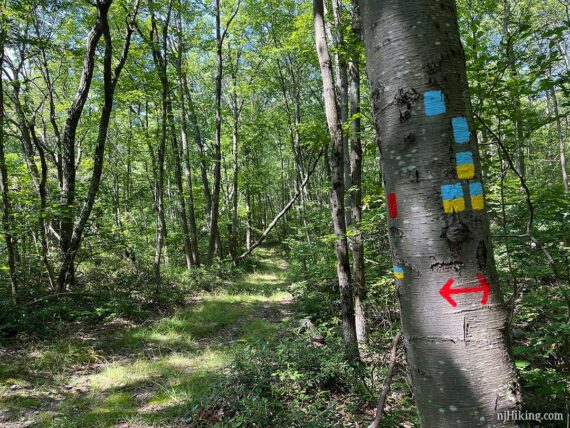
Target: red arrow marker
{"x":446,"y":291}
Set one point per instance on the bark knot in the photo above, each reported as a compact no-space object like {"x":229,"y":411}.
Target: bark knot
{"x":455,"y":231}
{"x":405,"y":99}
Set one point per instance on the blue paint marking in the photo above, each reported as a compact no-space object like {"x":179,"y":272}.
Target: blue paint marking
{"x":461,"y":133}
{"x":451,"y":191}
{"x":475,"y":189}
{"x":464,"y":158}
{"x":434,"y":103}
{"x":398,"y":269}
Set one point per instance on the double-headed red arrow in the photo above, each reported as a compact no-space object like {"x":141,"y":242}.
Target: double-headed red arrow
{"x":446,"y":291}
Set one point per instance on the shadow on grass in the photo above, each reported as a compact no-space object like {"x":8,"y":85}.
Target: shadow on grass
{"x":143,"y":375}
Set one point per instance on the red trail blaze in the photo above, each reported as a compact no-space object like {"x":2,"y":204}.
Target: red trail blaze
{"x":446,"y":291}
{"x":392,"y":205}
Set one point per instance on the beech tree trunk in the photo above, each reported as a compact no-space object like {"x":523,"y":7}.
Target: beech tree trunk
{"x":337,"y":182}
{"x":454,"y":320}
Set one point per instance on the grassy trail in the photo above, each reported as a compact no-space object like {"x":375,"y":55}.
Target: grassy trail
{"x":141,"y":375}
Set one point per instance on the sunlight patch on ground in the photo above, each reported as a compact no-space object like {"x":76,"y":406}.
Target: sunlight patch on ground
{"x":147,"y":375}
{"x":157,"y":369}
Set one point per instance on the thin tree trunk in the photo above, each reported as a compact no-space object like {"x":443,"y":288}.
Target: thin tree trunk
{"x":200,"y":145}
{"x":342,"y":93}
{"x":337,"y":182}
{"x":67,"y":268}
{"x":110,"y":79}
{"x":279,"y":215}
{"x":518,"y":123}
{"x":6,"y":205}
{"x":167,"y":126}
{"x":454,"y":320}
{"x":356,"y":241}
{"x":215,"y":245}
{"x":42,"y":190}
{"x":235,"y":194}
{"x":161,"y":231}
{"x":29,"y":142}
{"x":248,"y":234}
{"x":214,"y":213}
{"x":186,"y":155}
{"x":561,"y":141}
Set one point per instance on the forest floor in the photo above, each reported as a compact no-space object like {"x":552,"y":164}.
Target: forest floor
{"x":122,"y":374}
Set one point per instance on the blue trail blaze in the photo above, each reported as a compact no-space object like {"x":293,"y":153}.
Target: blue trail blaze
{"x":434,"y":103}
{"x":461,"y":133}
{"x":451,"y":191}
{"x":464,"y":158}
{"x":475,"y":189}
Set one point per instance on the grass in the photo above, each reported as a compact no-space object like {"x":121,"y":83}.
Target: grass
{"x":144,"y":375}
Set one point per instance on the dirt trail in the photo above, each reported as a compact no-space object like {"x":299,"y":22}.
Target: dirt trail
{"x":141,"y":376}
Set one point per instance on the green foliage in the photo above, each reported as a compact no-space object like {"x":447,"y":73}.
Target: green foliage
{"x":286,"y":382}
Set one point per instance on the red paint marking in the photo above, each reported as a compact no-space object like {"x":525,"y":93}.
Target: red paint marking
{"x":446,"y":291}
{"x":392,"y":205}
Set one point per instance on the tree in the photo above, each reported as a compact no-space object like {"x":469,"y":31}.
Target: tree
{"x":453,"y":315}
{"x":214,"y":246}
{"x":182,"y":83}
{"x":337,"y":183}
{"x":159,"y":45}
{"x":71,"y":230}
{"x":356,"y":240}
{"x":6,"y":205}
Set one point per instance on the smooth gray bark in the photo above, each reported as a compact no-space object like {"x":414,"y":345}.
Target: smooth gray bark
{"x":337,"y":182}
{"x":459,"y":357}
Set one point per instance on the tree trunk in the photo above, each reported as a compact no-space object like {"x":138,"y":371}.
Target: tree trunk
{"x":186,"y":156}
{"x":356,"y":241}
{"x":515,"y":98}
{"x":337,"y":182}
{"x":110,"y":79}
{"x":200,"y":145}
{"x":6,"y":206}
{"x":167,"y":126}
{"x":248,"y":225}
{"x":29,"y":142}
{"x":214,"y":213}
{"x":560,"y":137}
{"x":67,"y":268}
{"x":234,"y":194}
{"x":342,"y":93}
{"x":454,"y":319}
